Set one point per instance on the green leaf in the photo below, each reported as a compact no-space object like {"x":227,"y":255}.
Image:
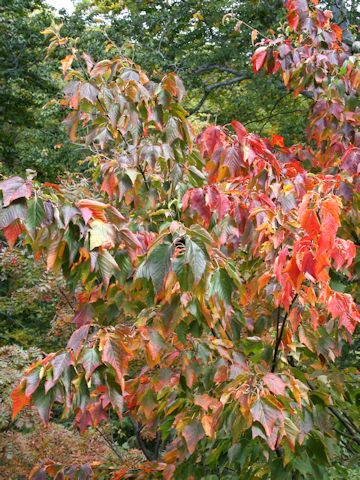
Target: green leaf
{"x":90,"y":361}
{"x":233,"y":453}
{"x":35,"y":215}
{"x":196,"y":258}
{"x":231,"y":271}
{"x":182,"y":271}
{"x":220,"y":285}
{"x":172,"y":130}
{"x":107,"y":265}
{"x":156,"y":266}
{"x":43,"y":402}
{"x":199,"y":233}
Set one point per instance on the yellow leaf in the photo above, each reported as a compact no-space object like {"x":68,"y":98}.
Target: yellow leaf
{"x":66,"y":63}
{"x":254,"y":35}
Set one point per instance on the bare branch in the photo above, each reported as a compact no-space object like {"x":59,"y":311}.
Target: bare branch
{"x":214,"y":86}
{"x":221,"y":68}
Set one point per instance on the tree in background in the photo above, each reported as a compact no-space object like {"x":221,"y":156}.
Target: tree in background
{"x":208,"y":44}
{"x":31,"y":136}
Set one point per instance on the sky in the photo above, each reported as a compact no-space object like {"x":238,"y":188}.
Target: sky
{"x":58,"y":4}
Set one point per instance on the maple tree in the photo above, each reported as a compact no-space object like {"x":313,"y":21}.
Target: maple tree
{"x":203,"y":267}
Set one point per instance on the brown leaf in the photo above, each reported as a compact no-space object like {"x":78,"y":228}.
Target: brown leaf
{"x":193,"y":433}
{"x":14,"y":188}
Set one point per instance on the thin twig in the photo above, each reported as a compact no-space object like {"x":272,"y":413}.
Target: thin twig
{"x":141,"y":170}
{"x":276,"y":114}
{"x":278,"y":101}
{"x":278,"y":322}
{"x":66,"y":299}
{"x":110,"y":444}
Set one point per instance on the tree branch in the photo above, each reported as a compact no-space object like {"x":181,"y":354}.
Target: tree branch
{"x":276,"y":114}
{"x":221,"y":68}
{"x":279,"y":336}
{"x":210,"y":88}
{"x":341,"y":419}
{"x":137,"y":429}
{"x":157,"y":445}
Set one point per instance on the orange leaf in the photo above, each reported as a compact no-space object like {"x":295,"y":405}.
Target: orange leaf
{"x":19,"y":399}
{"x":263,"y":281}
{"x":12,"y":231}
{"x":310,"y":223}
{"x":337,"y":30}
{"x":277,"y":140}
{"x":66,"y":63}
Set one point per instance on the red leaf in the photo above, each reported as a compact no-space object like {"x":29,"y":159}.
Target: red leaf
{"x":115,"y":356}
{"x":109,"y":184}
{"x":233,"y":161}
{"x":274,"y":384}
{"x":343,"y":253}
{"x":205,"y":401}
{"x":258,"y":59}
{"x":267,"y":414}
{"x":350,"y":161}
{"x":240,"y":130}
{"x":195,"y":198}
{"x":342,"y":306}
{"x":293,"y":20}
{"x":77,"y":338}
{"x":211,"y":140}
